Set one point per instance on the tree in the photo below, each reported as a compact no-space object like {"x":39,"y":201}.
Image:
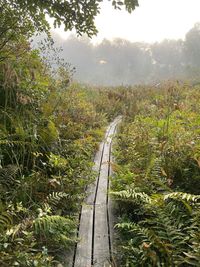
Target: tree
{"x":192,"y":46}
{"x":74,"y":14}
{"x":168,"y":58}
{"x":14,"y":26}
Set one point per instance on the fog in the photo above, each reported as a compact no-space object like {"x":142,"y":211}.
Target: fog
{"x":120,"y":61}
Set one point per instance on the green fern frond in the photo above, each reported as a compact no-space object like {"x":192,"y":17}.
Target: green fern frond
{"x":5,"y":220}
{"x":131,"y":195}
{"x":45,"y":224}
{"x":125,"y":225}
{"x":59,"y":229}
{"x":142,"y":235}
{"x":182,"y":196}
{"x":55,"y":198}
{"x":8,"y":171}
{"x":13,"y":142}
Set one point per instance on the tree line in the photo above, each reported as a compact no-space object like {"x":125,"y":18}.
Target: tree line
{"x":123,"y":62}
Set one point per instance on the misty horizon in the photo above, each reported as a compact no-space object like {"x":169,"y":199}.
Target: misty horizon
{"x":122,"y":62}
{"x":151,"y":22}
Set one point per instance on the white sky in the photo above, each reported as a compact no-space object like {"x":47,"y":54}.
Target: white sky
{"x":153,"y":20}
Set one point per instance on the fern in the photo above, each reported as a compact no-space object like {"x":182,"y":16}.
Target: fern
{"x":131,"y":195}
{"x":13,"y":142}
{"x":156,"y":176}
{"x":55,"y":198}
{"x":182,"y":196}
{"x":149,"y":244}
{"x":161,"y":236}
{"x":6,"y":221}
{"x":192,"y":256}
{"x":157,"y":237}
{"x":7,"y":174}
{"x":58,"y":229}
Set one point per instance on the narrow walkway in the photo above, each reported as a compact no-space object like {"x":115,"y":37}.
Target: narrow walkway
{"x":95,"y":245}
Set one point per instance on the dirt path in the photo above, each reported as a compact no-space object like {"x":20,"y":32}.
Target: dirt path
{"x":95,"y":245}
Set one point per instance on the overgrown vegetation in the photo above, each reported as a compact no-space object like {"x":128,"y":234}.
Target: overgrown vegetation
{"x":157,"y":179}
{"x":49,"y":131}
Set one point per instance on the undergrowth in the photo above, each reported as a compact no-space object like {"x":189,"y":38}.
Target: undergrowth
{"x":157,"y":179}
{"x":50,"y":129}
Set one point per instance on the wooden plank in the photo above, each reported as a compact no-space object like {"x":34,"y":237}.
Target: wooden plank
{"x":101,"y":255}
{"x":101,"y":240}
{"x":91,"y":190}
{"x":112,"y":219}
{"x":83,"y":255}
{"x":103,"y":177}
{"x":84,"y":247}
{"x":93,"y":229}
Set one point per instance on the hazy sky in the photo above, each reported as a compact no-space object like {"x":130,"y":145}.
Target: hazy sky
{"x":153,"y":20}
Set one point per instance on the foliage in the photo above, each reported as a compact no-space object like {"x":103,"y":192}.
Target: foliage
{"x":156,"y":186}
{"x":54,"y":230}
{"x":50,"y":129}
{"x":74,"y":14}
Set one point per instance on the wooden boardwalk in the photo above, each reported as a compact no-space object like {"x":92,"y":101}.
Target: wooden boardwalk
{"x":95,"y":245}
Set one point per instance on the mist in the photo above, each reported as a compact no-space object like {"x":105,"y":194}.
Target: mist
{"x":121,"y":62}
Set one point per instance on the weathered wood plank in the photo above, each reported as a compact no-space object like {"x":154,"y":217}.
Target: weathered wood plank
{"x":91,"y":190}
{"x":101,"y":196}
{"x":101,"y":240}
{"x":84,"y":247}
{"x":93,"y":229}
{"x":101,"y":256}
{"x":112,"y":219}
